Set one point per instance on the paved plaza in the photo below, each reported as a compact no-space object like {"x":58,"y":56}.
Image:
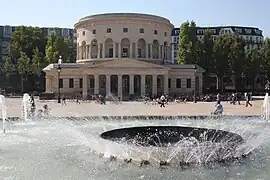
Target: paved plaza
{"x":134,"y":108}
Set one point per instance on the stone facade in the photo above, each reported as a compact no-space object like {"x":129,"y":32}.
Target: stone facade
{"x":123,"y":54}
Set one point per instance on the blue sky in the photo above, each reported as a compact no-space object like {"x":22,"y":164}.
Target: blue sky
{"x":65,"y":13}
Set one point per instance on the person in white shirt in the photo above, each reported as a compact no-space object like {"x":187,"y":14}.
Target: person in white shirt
{"x":162,"y":101}
{"x":218,"y":109}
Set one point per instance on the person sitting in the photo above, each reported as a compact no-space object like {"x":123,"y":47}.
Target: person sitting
{"x":46,"y":110}
{"x":218,"y":109}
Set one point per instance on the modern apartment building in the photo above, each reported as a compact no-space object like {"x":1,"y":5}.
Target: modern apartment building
{"x":252,"y":35}
{"x":6,"y":34}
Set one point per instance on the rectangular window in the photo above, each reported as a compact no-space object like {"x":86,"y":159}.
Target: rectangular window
{"x":169,"y":83}
{"x":155,"y":31}
{"x":125,"y":30}
{"x":60,"y":83}
{"x":109,"y":30}
{"x":94,"y":31}
{"x":81,"y":83}
{"x":83,"y":33}
{"x":71,"y":83}
{"x":141,"y":30}
{"x":188,"y":83}
{"x":165,"y":34}
{"x":178,"y":83}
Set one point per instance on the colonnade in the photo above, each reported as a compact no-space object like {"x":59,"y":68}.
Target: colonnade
{"x":124,"y":48}
{"x":125,"y":85}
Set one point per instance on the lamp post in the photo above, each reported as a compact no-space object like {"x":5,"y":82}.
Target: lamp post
{"x":195,"y":89}
{"x":58,"y":71}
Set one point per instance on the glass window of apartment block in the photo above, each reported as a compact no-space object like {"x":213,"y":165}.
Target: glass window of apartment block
{"x":60,"y":83}
{"x":178,"y":83}
{"x":94,"y":31}
{"x":81,"y":83}
{"x":141,"y":30}
{"x":109,"y":30}
{"x":188,"y":83}
{"x":165,"y":34}
{"x":169,"y":83}
{"x":125,"y":30}
{"x":71,"y":83}
{"x":83,"y":33}
{"x":155,"y":31}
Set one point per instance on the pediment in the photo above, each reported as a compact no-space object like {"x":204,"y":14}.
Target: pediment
{"x":129,"y":63}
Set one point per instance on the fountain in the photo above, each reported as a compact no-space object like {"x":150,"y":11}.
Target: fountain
{"x":26,"y":106}
{"x":217,"y":145}
{"x":3,"y":108}
{"x":266,"y":103}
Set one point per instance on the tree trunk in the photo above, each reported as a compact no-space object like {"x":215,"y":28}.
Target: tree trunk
{"x":22,"y":88}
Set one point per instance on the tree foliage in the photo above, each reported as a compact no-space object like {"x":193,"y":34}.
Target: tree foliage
{"x":224,"y":55}
{"x":187,"y":43}
{"x":57,"y":46}
{"x":31,"y":51}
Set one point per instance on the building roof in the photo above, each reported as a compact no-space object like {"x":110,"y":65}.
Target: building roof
{"x":186,"y":66}
{"x":119,"y":15}
{"x":241,"y":30}
{"x":77,"y":65}
{"x":64,"y":65}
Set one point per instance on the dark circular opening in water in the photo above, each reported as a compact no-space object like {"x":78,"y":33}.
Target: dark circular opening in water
{"x":161,"y":136}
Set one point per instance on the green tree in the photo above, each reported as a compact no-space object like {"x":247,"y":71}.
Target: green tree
{"x":24,"y":41}
{"x":187,"y":46}
{"x":205,"y":56}
{"x":56,"y":46}
{"x":9,"y":67}
{"x":237,"y":58}
{"x":266,"y":56}
{"x":24,"y":68}
{"x":253,"y":66}
{"x":221,"y":51}
{"x":38,"y":62}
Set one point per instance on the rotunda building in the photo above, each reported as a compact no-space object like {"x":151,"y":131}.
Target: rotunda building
{"x":125,"y":55}
{"x":123,"y":35}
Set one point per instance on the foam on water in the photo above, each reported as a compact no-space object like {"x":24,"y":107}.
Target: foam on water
{"x":25,"y":106}
{"x":3,"y":107}
{"x":62,"y":149}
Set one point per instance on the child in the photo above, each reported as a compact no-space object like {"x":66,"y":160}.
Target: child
{"x":46,"y":110}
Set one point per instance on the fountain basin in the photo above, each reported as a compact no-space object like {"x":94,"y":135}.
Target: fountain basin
{"x":162,"y":136}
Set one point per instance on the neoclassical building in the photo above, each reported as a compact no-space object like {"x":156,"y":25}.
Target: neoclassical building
{"x":123,"y":54}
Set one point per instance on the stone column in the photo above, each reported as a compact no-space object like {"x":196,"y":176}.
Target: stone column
{"x":131,"y":84}
{"x":130,"y":50}
{"x":142,"y":85}
{"x":99,"y":49}
{"x":166,"y":84}
{"x":146,"y":52}
{"x":103,"y":50}
{"x":85,"y":86}
{"x":154,"y":84}
{"x":90,"y":49}
{"x":87,"y":52}
{"x":96,"y":89}
{"x":108,"y":84}
{"x":120,"y":86}
{"x":48,"y":83}
{"x":119,"y":50}
{"x":114,"y":50}
{"x":151,"y":51}
{"x":136,"y":50}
